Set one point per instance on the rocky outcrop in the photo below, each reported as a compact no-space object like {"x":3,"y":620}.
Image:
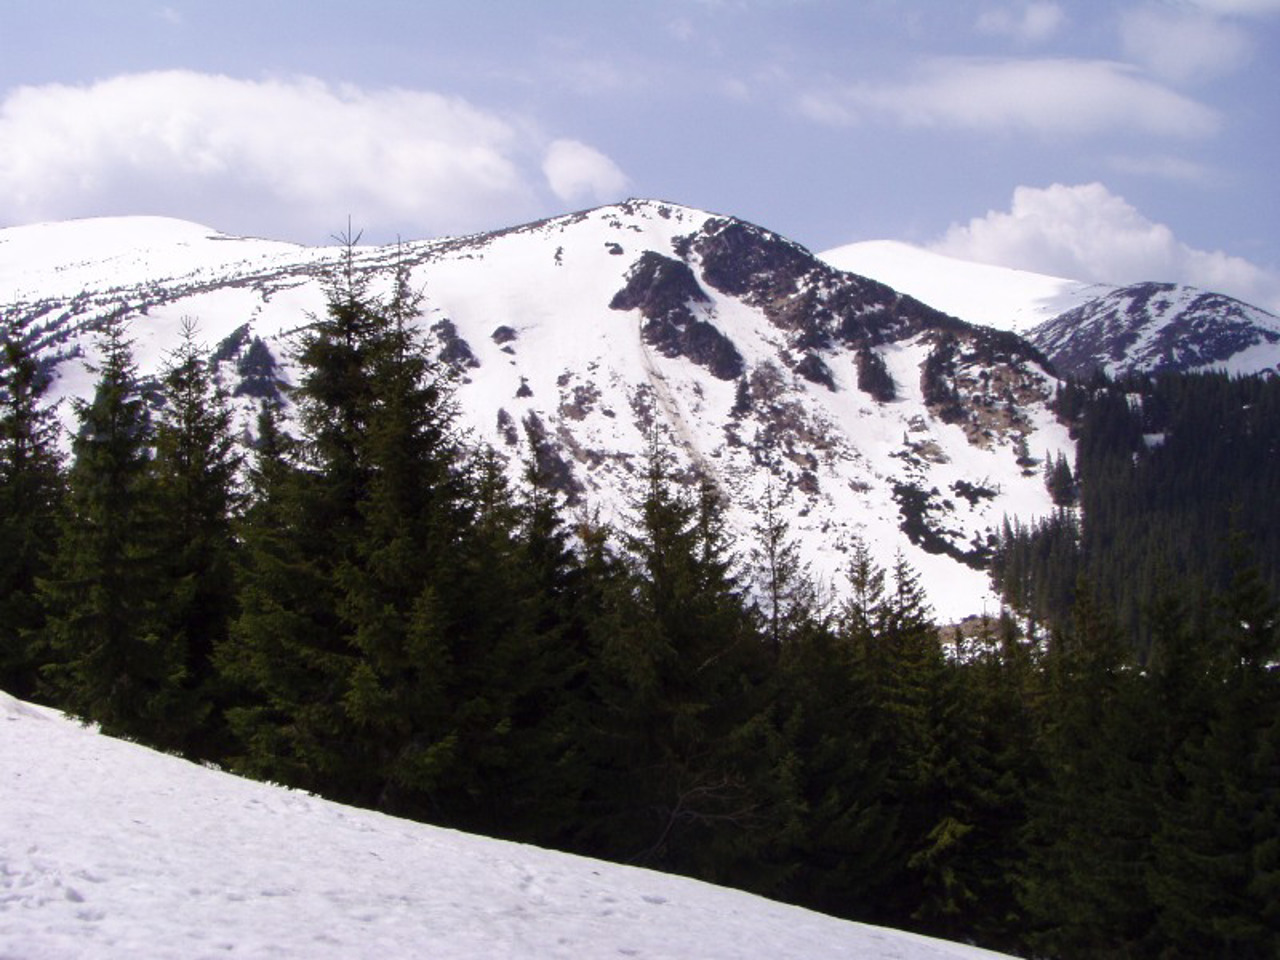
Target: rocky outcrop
{"x":664,"y":291}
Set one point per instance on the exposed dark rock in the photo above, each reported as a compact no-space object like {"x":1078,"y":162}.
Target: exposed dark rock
{"x":503,"y":334}
{"x":454,"y":351}
{"x":659,"y":286}
{"x":575,"y":404}
{"x":662,"y":289}
{"x":1152,"y":328}
{"x":936,"y":381}
{"x":815,"y":303}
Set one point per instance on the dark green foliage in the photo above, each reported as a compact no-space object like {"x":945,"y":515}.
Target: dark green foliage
{"x":407,"y":631}
{"x":1166,"y":468}
{"x":258,"y":374}
{"x":671,"y":683}
{"x":874,"y":378}
{"x":114,"y":661}
{"x":196,"y":463}
{"x":31,"y":488}
{"x":1087,"y":836}
{"x":1214,"y":873}
{"x":1060,"y":481}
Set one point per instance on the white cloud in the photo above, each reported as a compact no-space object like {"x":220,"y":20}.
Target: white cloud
{"x":575,"y":172}
{"x":1085,"y":232}
{"x":284,"y":157}
{"x":1047,"y":97}
{"x":1182,"y":44}
{"x":1033,"y":22}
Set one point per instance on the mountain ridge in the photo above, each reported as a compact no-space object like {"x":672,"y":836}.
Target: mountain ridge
{"x":574,"y":339}
{"x":1144,"y":327}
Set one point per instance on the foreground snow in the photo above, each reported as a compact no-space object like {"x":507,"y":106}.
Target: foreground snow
{"x":111,"y":850}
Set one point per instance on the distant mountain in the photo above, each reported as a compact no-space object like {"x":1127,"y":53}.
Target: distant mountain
{"x":1082,"y":327}
{"x":980,"y":293}
{"x":1161,"y":327}
{"x":575,"y":339}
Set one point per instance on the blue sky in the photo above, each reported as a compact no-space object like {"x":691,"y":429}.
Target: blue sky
{"x":1112,"y":141}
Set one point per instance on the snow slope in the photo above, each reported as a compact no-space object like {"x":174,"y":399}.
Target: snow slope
{"x":977,"y":292}
{"x":553,"y":361}
{"x":109,"y":850}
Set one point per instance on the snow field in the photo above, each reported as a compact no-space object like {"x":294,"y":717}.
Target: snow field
{"x":110,"y":850}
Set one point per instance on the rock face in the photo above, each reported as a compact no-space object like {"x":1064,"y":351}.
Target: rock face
{"x":1160,"y":327}
{"x":575,"y":341}
{"x":666,"y":294}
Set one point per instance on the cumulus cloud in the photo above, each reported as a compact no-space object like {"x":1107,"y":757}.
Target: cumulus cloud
{"x":1085,"y":232}
{"x":1046,"y":97}
{"x":1183,"y":44}
{"x":575,"y":172}
{"x":285,"y":157}
{"x":1033,"y":22}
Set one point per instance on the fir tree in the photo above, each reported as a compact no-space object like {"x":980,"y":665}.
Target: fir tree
{"x":290,"y":652}
{"x":31,"y":489}
{"x":676,"y":675}
{"x":115,"y":662}
{"x":1088,"y":830}
{"x":195,"y":468}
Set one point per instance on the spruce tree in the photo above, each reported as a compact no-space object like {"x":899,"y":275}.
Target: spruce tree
{"x":1215,"y":871}
{"x":676,"y":678}
{"x":1087,"y":837}
{"x":849,"y":847}
{"x":31,"y":489}
{"x":290,"y":652}
{"x":115,"y":663}
{"x":196,"y":466}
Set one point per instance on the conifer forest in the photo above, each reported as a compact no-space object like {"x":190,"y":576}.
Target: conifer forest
{"x":361,"y":605}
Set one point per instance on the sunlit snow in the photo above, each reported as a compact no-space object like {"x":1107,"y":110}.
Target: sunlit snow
{"x":109,"y":850}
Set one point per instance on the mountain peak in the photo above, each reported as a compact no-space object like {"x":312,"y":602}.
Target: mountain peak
{"x":579,"y":338}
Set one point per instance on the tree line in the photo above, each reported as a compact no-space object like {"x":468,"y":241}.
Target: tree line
{"x":361,"y":605}
{"x":1175,"y":475}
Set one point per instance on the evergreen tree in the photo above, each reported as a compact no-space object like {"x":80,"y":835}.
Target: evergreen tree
{"x":849,"y":848}
{"x":678,"y":669}
{"x":31,"y":488}
{"x":1215,"y":870}
{"x":195,"y":468}
{"x":1089,"y":825}
{"x":788,"y":598}
{"x":290,"y":652}
{"x":114,"y":662}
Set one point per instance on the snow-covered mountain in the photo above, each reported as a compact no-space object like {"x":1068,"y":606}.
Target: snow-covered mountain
{"x":980,"y":293}
{"x":875,"y":416}
{"x":1082,"y":327}
{"x":1156,"y":327}
{"x":110,"y":850}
